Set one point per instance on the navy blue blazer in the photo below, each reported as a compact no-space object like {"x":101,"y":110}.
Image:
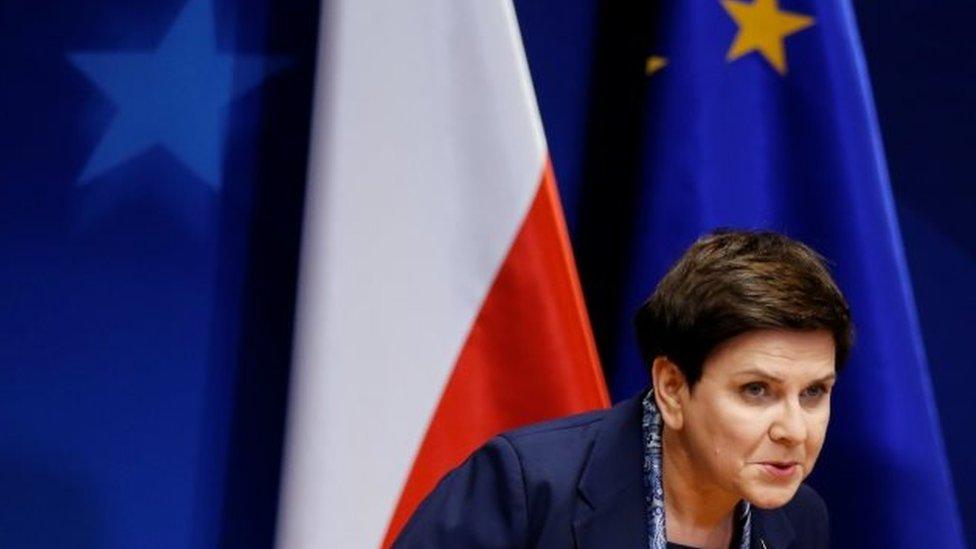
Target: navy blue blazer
{"x":574,"y":482}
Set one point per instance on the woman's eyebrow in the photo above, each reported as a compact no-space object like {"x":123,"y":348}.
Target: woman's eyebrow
{"x":764,"y":374}
{"x":828,"y":377}
{"x":759,"y":373}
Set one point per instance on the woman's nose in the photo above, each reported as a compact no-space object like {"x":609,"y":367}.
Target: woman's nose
{"x":789,"y":427}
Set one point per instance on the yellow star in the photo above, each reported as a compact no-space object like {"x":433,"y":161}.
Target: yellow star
{"x":654,"y":63}
{"x":763,"y":27}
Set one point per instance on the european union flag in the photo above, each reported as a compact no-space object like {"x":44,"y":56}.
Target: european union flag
{"x":759,"y":115}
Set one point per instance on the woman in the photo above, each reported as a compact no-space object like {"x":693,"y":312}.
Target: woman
{"x":743,"y":338}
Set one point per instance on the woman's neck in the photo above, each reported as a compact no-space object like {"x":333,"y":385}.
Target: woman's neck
{"x":697,"y":513}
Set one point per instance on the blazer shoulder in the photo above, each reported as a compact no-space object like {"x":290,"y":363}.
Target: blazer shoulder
{"x":481,"y":503}
{"x":507,"y":490}
{"x":559,"y":446}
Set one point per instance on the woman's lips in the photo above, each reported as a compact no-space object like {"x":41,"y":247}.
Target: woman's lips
{"x":780,"y":470}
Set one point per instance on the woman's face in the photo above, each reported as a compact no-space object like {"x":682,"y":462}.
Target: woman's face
{"x":756,"y":420}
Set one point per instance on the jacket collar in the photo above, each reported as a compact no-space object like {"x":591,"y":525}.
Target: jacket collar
{"x":612,"y":488}
{"x":612,"y":485}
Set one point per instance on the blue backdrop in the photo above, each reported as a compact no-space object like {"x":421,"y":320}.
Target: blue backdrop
{"x":152,"y":161}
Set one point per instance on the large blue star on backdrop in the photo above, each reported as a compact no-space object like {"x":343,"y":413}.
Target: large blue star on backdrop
{"x":176,"y":96}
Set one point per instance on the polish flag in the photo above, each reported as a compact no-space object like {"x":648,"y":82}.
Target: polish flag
{"x":438,"y":302}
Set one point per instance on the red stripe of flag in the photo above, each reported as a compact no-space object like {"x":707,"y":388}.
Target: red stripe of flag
{"x":529,"y":356}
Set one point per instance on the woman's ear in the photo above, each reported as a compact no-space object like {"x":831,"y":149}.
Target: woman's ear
{"x":669,"y":389}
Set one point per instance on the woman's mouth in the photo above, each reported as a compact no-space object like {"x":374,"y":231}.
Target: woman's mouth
{"x":780,"y":470}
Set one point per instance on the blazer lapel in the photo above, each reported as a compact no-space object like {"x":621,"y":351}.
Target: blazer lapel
{"x":618,"y":523}
{"x":611,"y":487}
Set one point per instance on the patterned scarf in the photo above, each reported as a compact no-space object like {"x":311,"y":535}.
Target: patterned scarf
{"x":654,"y":489}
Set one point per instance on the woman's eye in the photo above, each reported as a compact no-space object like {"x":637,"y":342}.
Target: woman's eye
{"x":814,"y":391}
{"x":755,"y":390}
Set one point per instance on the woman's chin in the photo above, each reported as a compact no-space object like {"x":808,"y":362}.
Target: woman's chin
{"x":771,"y":497}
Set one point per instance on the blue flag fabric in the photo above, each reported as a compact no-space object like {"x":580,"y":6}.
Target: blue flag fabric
{"x":152,"y":169}
{"x":760,"y":116}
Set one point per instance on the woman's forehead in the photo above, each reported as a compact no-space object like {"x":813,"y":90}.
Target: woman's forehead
{"x":774,"y":353}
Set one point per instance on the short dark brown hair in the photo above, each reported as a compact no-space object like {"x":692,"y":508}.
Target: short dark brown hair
{"x":730,"y":282}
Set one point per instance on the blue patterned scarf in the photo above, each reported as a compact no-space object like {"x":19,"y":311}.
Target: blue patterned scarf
{"x":654,"y":489}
